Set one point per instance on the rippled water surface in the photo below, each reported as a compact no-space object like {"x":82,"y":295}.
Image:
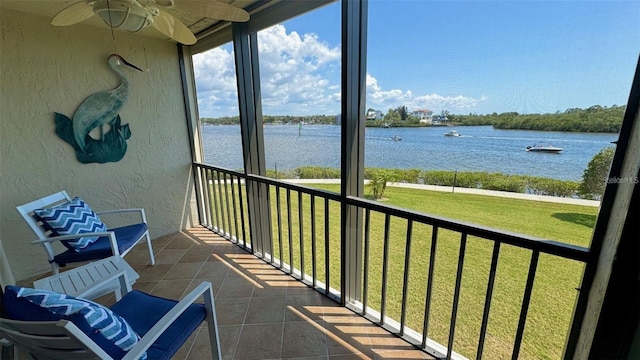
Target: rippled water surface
{"x":480,"y":148}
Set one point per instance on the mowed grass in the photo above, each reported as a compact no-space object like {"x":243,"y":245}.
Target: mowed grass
{"x":554,"y":291}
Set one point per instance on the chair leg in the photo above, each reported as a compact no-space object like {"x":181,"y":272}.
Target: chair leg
{"x":212,"y":324}
{"x":55,"y":269}
{"x":153,"y":258}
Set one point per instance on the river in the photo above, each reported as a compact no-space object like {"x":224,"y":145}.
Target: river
{"x":479,"y":148}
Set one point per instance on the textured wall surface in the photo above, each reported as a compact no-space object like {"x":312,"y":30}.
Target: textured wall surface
{"x":48,"y":69}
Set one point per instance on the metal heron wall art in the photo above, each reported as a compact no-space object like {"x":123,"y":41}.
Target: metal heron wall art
{"x":94,"y":112}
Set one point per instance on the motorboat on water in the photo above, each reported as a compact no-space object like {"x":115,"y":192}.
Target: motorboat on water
{"x":452,"y":133}
{"x":543,"y":147}
{"x":396,"y":138}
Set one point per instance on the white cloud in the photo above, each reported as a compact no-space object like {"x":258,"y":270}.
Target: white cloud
{"x":300,"y":75}
{"x":384,"y":100}
{"x":216,"y":83}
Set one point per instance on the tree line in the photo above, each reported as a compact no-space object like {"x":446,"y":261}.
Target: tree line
{"x":277,"y":119}
{"x":593,"y":119}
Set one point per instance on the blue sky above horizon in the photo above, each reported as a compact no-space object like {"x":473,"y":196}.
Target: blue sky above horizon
{"x":461,"y":56}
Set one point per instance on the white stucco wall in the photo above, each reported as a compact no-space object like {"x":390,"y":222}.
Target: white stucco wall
{"x":48,"y":69}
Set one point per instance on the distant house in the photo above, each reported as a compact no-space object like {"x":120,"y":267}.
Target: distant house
{"x":425,"y":116}
{"x":440,"y":120}
{"x":374,"y":115}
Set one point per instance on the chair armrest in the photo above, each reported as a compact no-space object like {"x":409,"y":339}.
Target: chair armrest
{"x":110,"y":234}
{"x":156,"y":331}
{"x":71,"y":237}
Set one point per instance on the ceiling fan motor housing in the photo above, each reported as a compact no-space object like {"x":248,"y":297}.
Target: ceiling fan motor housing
{"x":122,"y":14}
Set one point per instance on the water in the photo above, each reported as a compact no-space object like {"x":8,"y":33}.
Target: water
{"x":480,"y":148}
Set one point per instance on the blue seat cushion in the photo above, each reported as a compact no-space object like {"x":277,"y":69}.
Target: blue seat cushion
{"x":142,"y":311}
{"x":126,"y":237}
{"x":108,"y":330}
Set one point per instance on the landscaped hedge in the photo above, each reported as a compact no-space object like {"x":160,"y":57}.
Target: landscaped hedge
{"x":465,"y":179}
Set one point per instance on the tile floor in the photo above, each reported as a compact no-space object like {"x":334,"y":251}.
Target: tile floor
{"x":262,"y":313}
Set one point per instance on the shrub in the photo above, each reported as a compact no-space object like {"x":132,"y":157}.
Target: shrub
{"x":379,"y":181}
{"x":595,"y":175}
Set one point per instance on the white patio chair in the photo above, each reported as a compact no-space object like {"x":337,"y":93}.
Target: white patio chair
{"x":75,"y":230}
{"x":163,"y":325}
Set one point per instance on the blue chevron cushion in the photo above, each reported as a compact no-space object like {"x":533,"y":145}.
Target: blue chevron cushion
{"x":108,"y":330}
{"x":73,"y":217}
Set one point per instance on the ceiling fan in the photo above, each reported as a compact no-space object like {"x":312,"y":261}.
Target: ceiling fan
{"x":135,"y":15}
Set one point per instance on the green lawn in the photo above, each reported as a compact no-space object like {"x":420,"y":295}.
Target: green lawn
{"x":554,"y":291}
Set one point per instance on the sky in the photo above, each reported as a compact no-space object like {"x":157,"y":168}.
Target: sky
{"x":458,"y":56}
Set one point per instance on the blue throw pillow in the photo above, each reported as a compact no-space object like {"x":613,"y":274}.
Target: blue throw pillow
{"x":108,"y":330}
{"x":73,"y":217}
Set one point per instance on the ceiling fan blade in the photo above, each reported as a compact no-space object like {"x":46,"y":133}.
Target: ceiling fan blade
{"x":213,"y":9}
{"x":173,"y":28}
{"x":73,"y":14}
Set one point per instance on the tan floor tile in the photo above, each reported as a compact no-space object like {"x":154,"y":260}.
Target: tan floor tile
{"x":231,"y":311}
{"x":153,"y":272}
{"x":145,"y":286}
{"x":213,"y":270}
{"x":260,"y":341}
{"x":138,"y":256}
{"x":235,"y":287}
{"x":170,"y":289}
{"x":169,"y":256}
{"x":269,"y":291}
{"x":201,"y":349}
{"x":199,"y":253}
{"x":181,"y":242}
{"x":106,"y":300}
{"x":351,"y":357}
{"x":183,"y":271}
{"x":400,"y":355}
{"x":265,"y":310}
{"x":348,"y":340}
{"x":303,"y":339}
{"x":229,"y":336}
{"x":162,"y":241}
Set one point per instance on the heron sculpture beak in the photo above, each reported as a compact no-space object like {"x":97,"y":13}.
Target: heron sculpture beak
{"x":127,"y":63}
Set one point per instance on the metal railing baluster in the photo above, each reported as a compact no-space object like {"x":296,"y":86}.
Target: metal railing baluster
{"x":385,"y":265}
{"x":301,"y":229}
{"x":427,"y":305}
{"x":204,"y":176}
{"x":326,"y":247}
{"x":241,"y":202}
{"x":365,"y":280}
{"x":222,"y":224}
{"x":290,"y":231}
{"x":405,"y":284}
{"x":533,"y":265}
{"x":226,"y":196}
{"x":313,"y":239}
{"x":235,"y":209}
{"x":279,"y":216}
{"x":215,"y":202}
{"x":268,"y":194}
{"x":487,"y":301}
{"x":456,"y":295}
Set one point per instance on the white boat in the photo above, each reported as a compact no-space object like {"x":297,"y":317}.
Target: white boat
{"x":452,"y":133}
{"x":542,"y":147}
{"x":396,"y":138}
